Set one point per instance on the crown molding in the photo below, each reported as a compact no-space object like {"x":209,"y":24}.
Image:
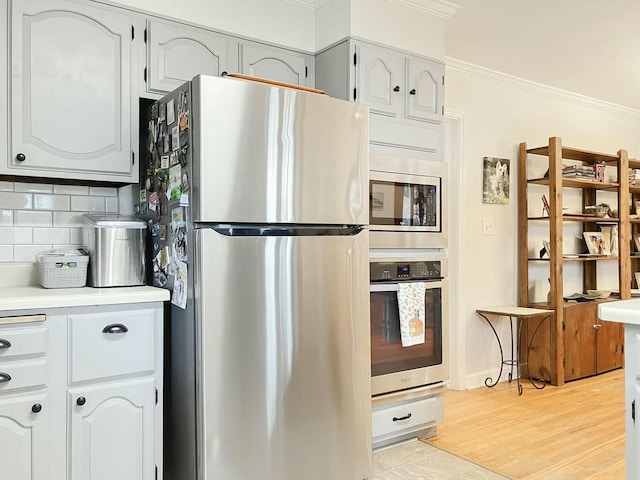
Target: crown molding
{"x":496,"y":76}
{"x":438,"y":8}
{"x":310,"y":4}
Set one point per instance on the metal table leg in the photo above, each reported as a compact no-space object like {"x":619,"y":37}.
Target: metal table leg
{"x":489,"y":381}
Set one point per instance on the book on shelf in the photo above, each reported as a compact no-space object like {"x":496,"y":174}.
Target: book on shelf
{"x":545,"y":205}
{"x":578,"y":171}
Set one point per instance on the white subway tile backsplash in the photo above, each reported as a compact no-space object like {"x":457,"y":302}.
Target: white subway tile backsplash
{"x":27,"y":253}
{"x":6,"y":217}
{"x":22,"y":235}
{"x":53,"y":235}
{"x":112,"y":204}
{"x":51,"y":202}
{"x":103,"y":191}
{"x":27,"y":218}
{"x":75,"y":236}
{"x":67,"y":219}
{"x":6,"y":236}
{"x":70,"y":190}
{"x":35,"y":216}
{"x":32,"y":187}
{"x":13,"y":201}
{"x":88,"y":204}
{"x":6,"y":253}
{"x":68,"y":246}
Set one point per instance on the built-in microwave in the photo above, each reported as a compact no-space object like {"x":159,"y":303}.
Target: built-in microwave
{"x":407,"y":203}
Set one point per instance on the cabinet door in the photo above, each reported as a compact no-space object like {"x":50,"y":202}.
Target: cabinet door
{"x":71,"y":90}
{"x":111,"y":428}
{"x":273,"y":63}
{"x":609,"y":342}
{"x":425,"y":85}
{"x":580,"y":341}
{"x":23,"y":438}
{"x":380,"y":79}
{"x":176,"y":53}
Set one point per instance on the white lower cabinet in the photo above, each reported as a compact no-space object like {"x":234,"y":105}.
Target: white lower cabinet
{"x":399,"y":419}
{"x":80,"y":394}
{"x":23,"y":437}
{"x":111,"y":429}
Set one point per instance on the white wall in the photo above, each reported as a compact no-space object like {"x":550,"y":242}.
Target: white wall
{"x":499,"y":112}
{"x":275,"y":21}
{"x":333,"y":22}
{"x":398,"y":26}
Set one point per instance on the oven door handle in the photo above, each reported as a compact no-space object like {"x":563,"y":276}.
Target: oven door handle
{"x":393,"y":287}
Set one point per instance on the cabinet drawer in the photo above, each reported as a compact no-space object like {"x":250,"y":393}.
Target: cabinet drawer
{"x":22,"y":341}
{"x":107,"y":345}
{"x":423,"y":412}
{"x":14,"y":375}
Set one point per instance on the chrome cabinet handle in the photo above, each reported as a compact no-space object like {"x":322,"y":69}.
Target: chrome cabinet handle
{"x":399,"y":419}
{"x":597,"y":326}
{"x":4,"y":377}
{"x":4,"y":344}
{"x":115,"y":328}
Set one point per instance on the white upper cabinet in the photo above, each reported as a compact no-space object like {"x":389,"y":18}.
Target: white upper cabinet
{"x":404,"y":92}
{"x":425,"y":82}
{"x":275,"y":64}
{"x":176,"y":53}
{"x":72,"y":91}
{"x":380,"y":80}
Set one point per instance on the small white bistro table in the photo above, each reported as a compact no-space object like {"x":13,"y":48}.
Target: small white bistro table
{"x":516,"y":315}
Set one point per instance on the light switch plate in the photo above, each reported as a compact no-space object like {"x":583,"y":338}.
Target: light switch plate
{"x":488,"y":226}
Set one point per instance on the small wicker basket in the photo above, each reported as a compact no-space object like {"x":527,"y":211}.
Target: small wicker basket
{"x":63,"y":268}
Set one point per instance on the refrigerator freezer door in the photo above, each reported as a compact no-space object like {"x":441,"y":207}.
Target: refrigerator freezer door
{"x":263,"y":154}
{"x":283,"y":357}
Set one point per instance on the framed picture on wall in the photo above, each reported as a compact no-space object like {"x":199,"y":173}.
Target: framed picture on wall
{"x":495,"y":180}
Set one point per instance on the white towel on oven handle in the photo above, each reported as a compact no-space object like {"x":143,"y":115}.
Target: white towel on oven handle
{"x":412,"y":314}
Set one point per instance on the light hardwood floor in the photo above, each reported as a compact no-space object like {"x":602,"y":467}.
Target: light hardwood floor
{"x":575,"y":431}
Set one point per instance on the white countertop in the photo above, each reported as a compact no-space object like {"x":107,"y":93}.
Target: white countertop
{"x":623,"y":311}
{"x":30,"y":297}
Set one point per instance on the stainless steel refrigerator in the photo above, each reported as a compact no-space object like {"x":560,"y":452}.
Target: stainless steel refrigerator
{"x":261,"y":234}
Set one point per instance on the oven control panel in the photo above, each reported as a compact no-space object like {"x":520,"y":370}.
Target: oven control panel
{"x":398,"y":271}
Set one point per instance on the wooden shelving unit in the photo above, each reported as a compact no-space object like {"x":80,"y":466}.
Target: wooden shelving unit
{"x":561,"y":355}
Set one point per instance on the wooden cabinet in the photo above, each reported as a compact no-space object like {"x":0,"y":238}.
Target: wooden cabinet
{"x":576,"y":344}
{"x":405,"y":94}
{"x":176,"y":53}
{"x":275,"y":63}
{"x":73,"y":97}
{"x":83,"y":401}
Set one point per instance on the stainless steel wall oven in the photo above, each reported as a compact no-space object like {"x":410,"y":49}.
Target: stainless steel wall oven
{"x":394,"y":367}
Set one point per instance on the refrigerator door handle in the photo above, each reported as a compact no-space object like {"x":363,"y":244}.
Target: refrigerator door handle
{"x":285,"y":230}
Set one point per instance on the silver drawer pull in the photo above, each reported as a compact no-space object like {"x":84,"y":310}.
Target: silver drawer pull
{"x":115,"y":328}
{"x":4,"y":344}
{"x":4,"y":377}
